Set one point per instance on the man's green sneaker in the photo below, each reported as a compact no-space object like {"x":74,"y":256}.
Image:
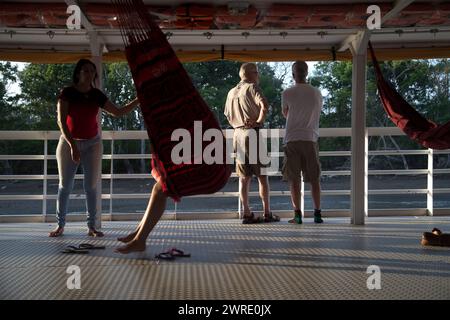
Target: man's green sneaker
{"x":318,"y":216}
{"x":297,"y":218}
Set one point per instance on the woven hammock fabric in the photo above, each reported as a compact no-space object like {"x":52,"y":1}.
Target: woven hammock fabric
{"x":404,"y":116}
{"x":168,"y":101}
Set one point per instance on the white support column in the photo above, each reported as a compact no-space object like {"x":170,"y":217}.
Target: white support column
{"x":358,"y":204}
{"x":430,"y":183}
{"x":96,"y":56}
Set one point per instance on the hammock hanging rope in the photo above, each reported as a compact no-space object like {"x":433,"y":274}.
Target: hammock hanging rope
{"x":404,"y":116}
{"x":168,"y":101}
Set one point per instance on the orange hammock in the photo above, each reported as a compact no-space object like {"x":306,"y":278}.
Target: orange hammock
{"x":423,"y":131}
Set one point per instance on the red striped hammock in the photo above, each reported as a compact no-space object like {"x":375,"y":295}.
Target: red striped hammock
{"x":404,"y":116}
{"x":168,"y":101}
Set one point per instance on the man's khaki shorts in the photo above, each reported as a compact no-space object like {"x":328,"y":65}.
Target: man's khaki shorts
{"x":249,"y":165}
{"x":301,"y":157}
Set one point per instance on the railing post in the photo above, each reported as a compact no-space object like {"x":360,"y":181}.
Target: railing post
{"x":302,"y":195}
{"x":239,"y":198}
{"x":175,"y":207}
{"x":430,"y":183}
{"x":111,"y":189}
{"x":96,"y":56}
{"x":366,"y":172}
{"x":44,"y":180}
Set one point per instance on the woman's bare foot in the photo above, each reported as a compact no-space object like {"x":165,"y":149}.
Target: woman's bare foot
{"x":132,"y":246}
{"x":94,"y":233}
{"x":57,"y":232}
{"x":128,"y":238}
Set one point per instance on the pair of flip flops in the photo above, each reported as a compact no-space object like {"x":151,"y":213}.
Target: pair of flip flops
{"x":83,"y":248}
{"x":172,"y":254}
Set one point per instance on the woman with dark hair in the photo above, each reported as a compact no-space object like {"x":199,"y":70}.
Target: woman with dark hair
{"x":80,"y":142}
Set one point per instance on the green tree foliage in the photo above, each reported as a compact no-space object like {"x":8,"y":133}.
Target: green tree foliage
{"x":11,"y":117}
{"x":214,"y":79}
{"x":423,"y":83}
{"x":41,"y":85}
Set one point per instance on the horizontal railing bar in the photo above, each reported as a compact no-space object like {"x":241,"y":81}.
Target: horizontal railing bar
{"x":397,"y":191}
{"x":398,"y":172}
{"x":335,"y":153}
{"x":142,"y":134}
{"x":441,"y":190}
{"x":226,"y":194}
{"x":22,"y":157}
{"x":233,"y":175}
{"x":22,"y":177}
{"x":397,"y":152}
{"x":233,"y":155}
{"x":116,"y":156}
{"x":437,"y":171}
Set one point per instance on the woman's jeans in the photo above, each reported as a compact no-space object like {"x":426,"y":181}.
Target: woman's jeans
{"x":90,"y":154}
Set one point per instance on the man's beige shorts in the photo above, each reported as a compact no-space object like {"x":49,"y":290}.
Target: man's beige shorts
{"x":301,"y":157}
{"x":241,"y":141}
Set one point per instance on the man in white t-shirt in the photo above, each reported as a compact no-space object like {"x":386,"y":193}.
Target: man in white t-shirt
{"x":301,"y":106}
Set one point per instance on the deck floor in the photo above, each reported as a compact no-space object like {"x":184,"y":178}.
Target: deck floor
{"x":231,"y":261}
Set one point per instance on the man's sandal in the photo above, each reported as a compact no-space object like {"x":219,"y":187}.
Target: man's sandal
{"x":250,"y":219}
{"x":271,"y":218}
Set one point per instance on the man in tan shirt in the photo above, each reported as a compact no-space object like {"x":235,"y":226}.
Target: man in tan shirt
{"x":246,"y":109}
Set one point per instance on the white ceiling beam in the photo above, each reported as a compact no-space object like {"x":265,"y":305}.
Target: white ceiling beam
{"x":359,"y":44}
{"x":399,"y":5}
{"x":97,"y":42}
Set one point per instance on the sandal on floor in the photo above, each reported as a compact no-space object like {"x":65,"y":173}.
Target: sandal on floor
{"x":164,"y":256}
{"x":178,"y":253}
{"x":74,"y":250}
{"x":249,"y":219}
{"x":89,"y":246}
{"x":271,"y":218}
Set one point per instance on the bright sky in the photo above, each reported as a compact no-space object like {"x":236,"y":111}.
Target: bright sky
{"x":14,"y":88}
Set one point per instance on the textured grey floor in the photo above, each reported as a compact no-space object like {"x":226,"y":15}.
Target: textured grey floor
{"x":231,"y":261}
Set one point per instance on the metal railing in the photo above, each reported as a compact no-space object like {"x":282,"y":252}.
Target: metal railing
{"x":274,"y":134}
